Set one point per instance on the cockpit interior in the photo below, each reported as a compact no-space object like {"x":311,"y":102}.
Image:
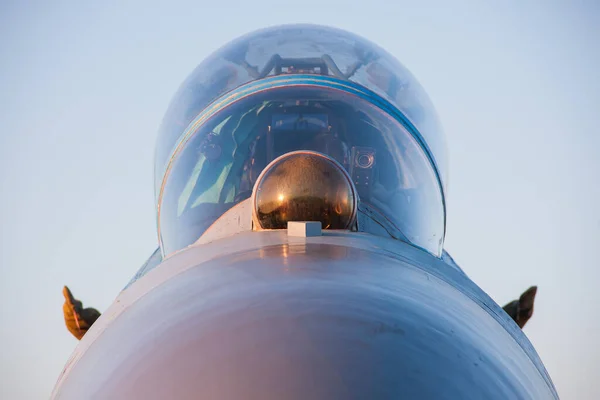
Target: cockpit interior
{"x":268,"y":95}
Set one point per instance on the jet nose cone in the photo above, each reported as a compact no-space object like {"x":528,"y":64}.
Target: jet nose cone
{"x":298,"y":322}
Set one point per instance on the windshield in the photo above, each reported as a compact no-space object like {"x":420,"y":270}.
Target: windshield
{"x":305,"y":49}
{"x":227,"y":146}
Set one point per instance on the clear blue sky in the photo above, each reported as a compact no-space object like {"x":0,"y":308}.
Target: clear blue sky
{"x":84,"y":85}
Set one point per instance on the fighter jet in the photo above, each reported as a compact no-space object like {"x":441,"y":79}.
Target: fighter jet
{"x":301,"y":181}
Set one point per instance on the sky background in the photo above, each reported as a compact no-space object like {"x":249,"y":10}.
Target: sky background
{"x":84,"y":85}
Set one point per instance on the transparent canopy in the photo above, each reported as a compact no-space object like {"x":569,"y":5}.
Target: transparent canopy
{"x":293,"y":49}
{"x":226,"y":147}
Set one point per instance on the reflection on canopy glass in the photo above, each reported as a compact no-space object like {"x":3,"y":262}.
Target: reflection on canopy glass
{"x":219,"y":164}
{"x":300,"y":49}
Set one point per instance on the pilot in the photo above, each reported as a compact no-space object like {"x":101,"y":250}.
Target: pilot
{"x":79,"y":319}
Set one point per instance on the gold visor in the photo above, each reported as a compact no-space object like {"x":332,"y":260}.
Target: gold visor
{"x":304,"y":186}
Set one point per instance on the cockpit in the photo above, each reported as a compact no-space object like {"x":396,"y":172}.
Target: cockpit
{"x":341,"y":100}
